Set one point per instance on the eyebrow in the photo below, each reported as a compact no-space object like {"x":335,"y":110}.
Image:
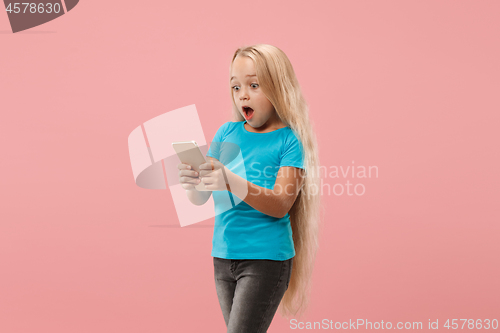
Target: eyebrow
{"x":234,"y":77}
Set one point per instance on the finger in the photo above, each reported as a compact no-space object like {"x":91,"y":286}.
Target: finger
{"x":190,"y":173}
{"x":188,"y":186}
{"x":184,"y":166}
{"x":189,"y":180}
{"x":207,"y":166}
{"x":207,"y":180}
{"x":205,"y":173}
{"x":211,"y":187}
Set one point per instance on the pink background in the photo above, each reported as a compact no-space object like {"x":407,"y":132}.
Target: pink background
{"x":409,"y":87}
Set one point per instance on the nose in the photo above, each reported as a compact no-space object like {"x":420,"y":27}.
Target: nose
{"x":243,"y":94}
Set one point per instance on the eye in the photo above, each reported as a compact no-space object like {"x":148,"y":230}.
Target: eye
{"x":234,"y":88}
{"x":254,"y":84}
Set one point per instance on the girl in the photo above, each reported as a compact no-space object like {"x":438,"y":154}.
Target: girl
{"x":266,"y":228}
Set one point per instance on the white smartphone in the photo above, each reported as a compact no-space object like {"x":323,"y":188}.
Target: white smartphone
{"x":189,"y":153}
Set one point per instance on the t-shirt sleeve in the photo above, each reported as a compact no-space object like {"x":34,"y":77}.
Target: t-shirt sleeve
{"x":214,"y":150}
{"x":292,"y":153}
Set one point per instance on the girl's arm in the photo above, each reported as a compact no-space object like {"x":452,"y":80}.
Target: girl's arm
{"x":276,"y":202}
{"x":198,"y":197}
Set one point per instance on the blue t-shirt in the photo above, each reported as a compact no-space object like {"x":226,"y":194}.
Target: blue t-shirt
{"x":240,"y":231}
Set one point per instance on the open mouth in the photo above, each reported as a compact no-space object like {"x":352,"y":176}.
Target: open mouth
{"x":248,"y":111}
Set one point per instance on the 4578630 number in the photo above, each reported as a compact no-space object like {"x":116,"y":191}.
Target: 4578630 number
{"x":33,"y":7}
{"x":472,"y":324}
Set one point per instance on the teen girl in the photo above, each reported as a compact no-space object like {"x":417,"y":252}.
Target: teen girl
{"x":266,"y":223}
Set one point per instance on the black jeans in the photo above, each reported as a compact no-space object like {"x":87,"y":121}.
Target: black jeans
{"x":250,"y":291}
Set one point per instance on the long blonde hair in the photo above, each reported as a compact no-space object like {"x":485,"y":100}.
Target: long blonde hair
{"x":279,"y":83}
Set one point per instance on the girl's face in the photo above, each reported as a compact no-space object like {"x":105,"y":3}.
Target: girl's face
{"x":260,"y":113}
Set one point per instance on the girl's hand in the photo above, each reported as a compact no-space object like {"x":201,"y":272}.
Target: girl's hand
{"x":212,"y":174}
{"x":187,"y":176}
